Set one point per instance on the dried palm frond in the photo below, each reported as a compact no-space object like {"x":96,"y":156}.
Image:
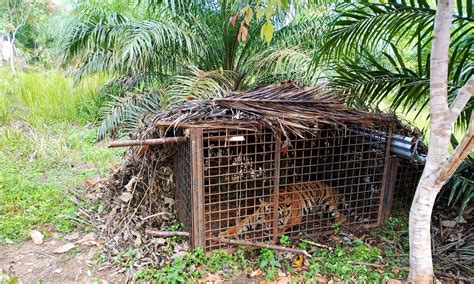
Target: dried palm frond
{"x":285,"y":107}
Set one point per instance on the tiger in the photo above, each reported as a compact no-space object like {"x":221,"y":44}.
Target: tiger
{"x":295,"y":202}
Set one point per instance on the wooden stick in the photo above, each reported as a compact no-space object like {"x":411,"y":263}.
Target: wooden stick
{"x":454,"y":277}
{"x":159,"y":141}
{"x":165,"y":234}
{"x":156,"y":215}
{"x":260,"y":245}
{"x":317,"y":244}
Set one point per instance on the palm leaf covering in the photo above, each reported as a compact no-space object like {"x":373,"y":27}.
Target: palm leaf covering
{"x":284,"y":107}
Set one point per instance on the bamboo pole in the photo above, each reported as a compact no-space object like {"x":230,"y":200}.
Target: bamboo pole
{"x":158,"y":141}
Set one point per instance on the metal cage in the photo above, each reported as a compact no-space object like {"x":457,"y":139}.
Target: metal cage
{"x":408,"y":175}
{"x":231,"y":180}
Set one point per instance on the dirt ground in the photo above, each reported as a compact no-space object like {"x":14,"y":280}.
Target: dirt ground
{"x":28,"y":262}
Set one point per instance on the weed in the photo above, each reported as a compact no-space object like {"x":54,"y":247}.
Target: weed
{"x":126,"y":259}
{"x":285,"y":240}
{"x":268,"y":264}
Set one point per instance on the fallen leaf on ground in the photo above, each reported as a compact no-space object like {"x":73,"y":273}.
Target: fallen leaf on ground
{"x":256,"y":273}
{"x":298,"y":261}
{"x":36,"y":236}
{"x":88,"y":240}
{"x":448,"y":223}
{"x":72,"y":237}
{"x":126,"y":196}
{"x":64,"y":248}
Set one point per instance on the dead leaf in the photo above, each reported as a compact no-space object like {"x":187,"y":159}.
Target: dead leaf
{"x":126,"y":197}
{"x":298,"y":261}
{"x":131,"y":183}
{"x":88,"y":240}
{"x":159,"y":241}
{"x":449,"y":223}
{"x":180,"y":254}
{"x":64,"y":248}
{"x":256,"y":273}
{"x":71,"y":237}
{"x":36,"y":236}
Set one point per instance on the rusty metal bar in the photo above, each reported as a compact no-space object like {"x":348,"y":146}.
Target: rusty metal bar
{"x":385,"y":176}
{"x":389,"y":191}
{"x":158,"y":141}
{"x":197,"y":184}
{"x":276,"y":187}
{"x":260,"y":245}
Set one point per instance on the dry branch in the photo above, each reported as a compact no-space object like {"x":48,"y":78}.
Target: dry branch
{"x":160,"y":141}
{"x":285,"y":107}
{"x":166,"y":234}
{"x":260,"y":245}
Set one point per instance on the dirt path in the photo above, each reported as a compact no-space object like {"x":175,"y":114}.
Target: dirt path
{"x":30,"y":263}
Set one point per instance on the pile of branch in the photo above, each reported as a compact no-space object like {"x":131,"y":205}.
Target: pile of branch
{"x":285,"y":107}
{"x":136,"y":210}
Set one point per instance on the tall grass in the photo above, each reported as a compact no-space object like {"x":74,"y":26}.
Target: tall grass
{"x":45,"y":96}
{"x":47,"y":147}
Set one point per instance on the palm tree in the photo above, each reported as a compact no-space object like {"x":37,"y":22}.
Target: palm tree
{"x":170,"y":51}
{"x":382,"y":50}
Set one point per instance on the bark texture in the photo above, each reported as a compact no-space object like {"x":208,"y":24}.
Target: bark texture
{"x":439,"y":164}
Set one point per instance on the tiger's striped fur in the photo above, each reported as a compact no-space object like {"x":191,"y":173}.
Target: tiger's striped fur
{"x":295,"y":202}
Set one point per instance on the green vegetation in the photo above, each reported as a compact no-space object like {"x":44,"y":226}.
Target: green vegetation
{"x":351,"y":262}
{"x":47,"y":148}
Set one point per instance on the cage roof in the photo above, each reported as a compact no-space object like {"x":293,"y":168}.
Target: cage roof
{"x":285,"y":106}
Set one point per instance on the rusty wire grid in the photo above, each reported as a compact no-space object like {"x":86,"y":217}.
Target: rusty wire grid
{"x":258,"y":185}
{"x":407,"y":178}
{"x":344,"y":167}
{"x":182,"y":175}
{"x":238,"y":178}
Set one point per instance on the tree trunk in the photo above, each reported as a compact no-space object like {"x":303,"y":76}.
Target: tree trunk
{"x":421,"y":264}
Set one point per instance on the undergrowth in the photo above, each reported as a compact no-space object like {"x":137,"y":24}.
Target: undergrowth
{"x":47,"y":147}
{"x":41,"y":97}
{"x":354,"y":262}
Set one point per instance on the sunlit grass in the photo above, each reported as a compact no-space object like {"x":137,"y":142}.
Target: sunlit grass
{"x":45,"y":96}
{"x":47,"y":147}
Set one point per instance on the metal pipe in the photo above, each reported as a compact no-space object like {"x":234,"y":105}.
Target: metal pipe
{"x":158,"y":141}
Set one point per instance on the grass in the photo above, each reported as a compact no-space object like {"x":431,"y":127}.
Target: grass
{"x":346,"y":263}
{"x":47,"y":147}
{"x":48,"y":96}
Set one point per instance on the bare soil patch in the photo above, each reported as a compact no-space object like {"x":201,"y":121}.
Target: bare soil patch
{"x":30,"y":263}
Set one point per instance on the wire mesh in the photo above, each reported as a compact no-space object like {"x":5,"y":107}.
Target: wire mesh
{"x":339,"y":176}
{"x":238,"y":179}
{"x":257,"y":187}
{"x":182,"y":175}
{"x":408,"y":175}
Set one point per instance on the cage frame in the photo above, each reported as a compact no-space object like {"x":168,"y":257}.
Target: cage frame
{"x":197,"y":227}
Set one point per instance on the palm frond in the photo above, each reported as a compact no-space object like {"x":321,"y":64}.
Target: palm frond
{"x":373,"y":26}
{"x":284,"y":64}
{"x":199,"y":84}
{"x":114,"y":42}
{"x":374,"y":79}
{"x":124,"y":113}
